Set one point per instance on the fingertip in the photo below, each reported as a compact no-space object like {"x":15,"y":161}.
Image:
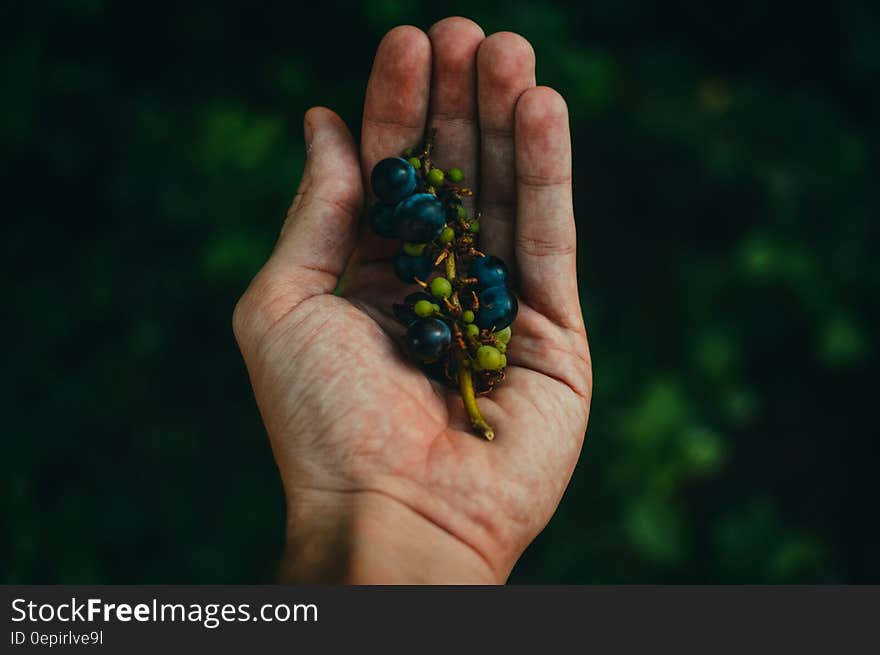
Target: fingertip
{"x":323,"y":114}
{"x":458,"y":27}
{"x":397,"y":92}
{"x":454,"y":42}
{"x":325,"y":131}
{"x":541,"y":104}
{"x":406,"y":42}
{"x":319,"y":118}
{"x":543,"y":138}
{"x":505,"y":57}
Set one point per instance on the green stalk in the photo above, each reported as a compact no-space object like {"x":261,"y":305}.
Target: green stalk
{"x":466,"y":387}
{"x":465,"y":374}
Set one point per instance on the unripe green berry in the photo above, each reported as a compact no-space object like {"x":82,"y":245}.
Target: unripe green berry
{"x":503,"y":336}
{"x":490,"y":359}
{"x":424,"y":308}
{"x":467,"y":316}
{"x":447,"y":235}
{"x":475,"y":227}
{"x":455,"y":174}
{"x":414,"y":249}
{"x":441,"y":287}
{"x":472,"y":330}
{"x":415,"y":162}
{"x":408,"y":152}
{"x":462,"y":212}
{"x":502,"y":347}
{"x":435,"y":177}
{"x":436,"y":307}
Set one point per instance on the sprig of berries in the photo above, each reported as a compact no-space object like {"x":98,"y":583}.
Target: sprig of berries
{"x":458,"y":325}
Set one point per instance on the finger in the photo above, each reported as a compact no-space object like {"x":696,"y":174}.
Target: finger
{"x":546,"y":241}
{"x":395,"y":110}
{"x":396,"y":103}
{"x":319,"y":232}
{"x":505,"y":69}
{"x":453,"y":111}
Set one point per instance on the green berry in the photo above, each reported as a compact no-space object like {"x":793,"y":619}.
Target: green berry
{"x":467,"y":316}
{"x":441,"y":287}
{"x":503,"y":360}
{"x":435,"y":177}
{"x":472,"y":330}
{"x":408,"y":152}
{"x":462,"y":212}
{"x":502,"y":348}
{"x":447,"y":235}
{"x":455,"y":174}
{"x":415,"y":162}
{"x":475,"y":227}
{"x":503,"y":336}
{"x":414,"y":249}
{"x":490,"y":359}
{"x":424,"y":308}
{"x":436,"y":307}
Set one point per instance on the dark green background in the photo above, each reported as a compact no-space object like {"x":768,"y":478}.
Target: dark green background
{"x":725,"y":163}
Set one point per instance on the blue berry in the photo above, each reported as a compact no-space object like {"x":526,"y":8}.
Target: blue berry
{"x":420,"y":218}
{"x":428,"y":339}
{"x":409,"y":267}
{"x":498,"y":307}
{"x":393,"y":179}
{"x":490,"y":271}
{"x":381,"y":219}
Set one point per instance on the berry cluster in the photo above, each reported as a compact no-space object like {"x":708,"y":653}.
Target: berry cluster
{"x":458,"y":325}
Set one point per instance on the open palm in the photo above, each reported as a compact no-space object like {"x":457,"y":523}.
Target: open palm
{"x":374,"y":456}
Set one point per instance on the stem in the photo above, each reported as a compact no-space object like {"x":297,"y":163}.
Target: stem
{"x":465,"y":376}
{"x":450,"y":267}
{"x":466,"y":386}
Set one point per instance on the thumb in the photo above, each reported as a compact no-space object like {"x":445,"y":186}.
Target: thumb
{"x":320,"y":229}
{"x":319,"y":232}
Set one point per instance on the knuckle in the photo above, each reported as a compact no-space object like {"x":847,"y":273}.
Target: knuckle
{"x":539,"y":245}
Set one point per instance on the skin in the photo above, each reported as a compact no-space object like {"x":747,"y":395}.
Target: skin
{"x":385,"y":482}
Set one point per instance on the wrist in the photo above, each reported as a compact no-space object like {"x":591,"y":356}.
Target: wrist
{"x":371,"y":538}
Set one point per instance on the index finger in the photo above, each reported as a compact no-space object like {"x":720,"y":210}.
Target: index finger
{"x":396,"y":103}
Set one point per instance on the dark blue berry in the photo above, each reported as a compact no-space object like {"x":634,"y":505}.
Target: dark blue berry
{"x":420,"y":218}
{"x":409,"y":267}
{"x":490,"y":271}
{"x":381,"y":218}
{"x":393,"y":179}
{"x":498,"y":307}
{"x":428,"y":339}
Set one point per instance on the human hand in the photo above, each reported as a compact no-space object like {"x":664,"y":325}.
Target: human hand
{"x":384,"y":479}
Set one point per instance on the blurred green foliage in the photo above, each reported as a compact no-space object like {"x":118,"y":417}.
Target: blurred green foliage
{"x":725,"y":163}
